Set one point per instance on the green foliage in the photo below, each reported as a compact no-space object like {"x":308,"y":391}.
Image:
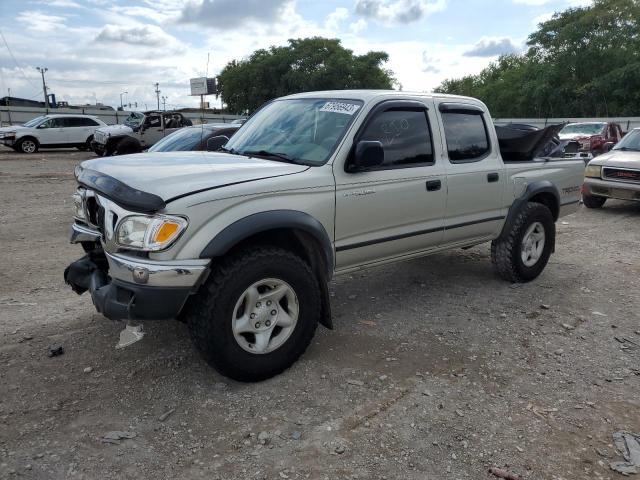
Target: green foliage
{"x":583,"y":62}
{"x":303,"y":65}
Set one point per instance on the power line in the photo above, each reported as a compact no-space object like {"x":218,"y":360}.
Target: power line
{"x":15,"y":61}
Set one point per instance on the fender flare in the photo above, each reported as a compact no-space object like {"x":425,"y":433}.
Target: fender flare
{"x":533,"y":189}
{"x":279,"y":219}
{"x":271,"y":220}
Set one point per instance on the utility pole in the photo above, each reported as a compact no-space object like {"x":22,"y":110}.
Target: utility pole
{"x":158,"y":94}
{"x":164,"y":103}
{"x":121,"y":94}
{"x":44,"y":85}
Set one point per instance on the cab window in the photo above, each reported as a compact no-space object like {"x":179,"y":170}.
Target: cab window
{"x":466,"y":135}
{"x":405,"y":137}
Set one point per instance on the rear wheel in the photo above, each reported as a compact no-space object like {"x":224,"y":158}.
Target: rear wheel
{"x":256,"y":314}
{"x":521,"y":254}
{"x":593,"y":202}
{"x":86,"y":146}
{"x":27,"y":145}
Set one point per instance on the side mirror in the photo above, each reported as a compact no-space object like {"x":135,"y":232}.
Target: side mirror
{"x":608,"y":146}
{"x":368,"y":154}
{"x":214,"y":143}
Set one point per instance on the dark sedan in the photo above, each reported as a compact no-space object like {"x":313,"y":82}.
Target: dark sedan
{"x":193,"y":138}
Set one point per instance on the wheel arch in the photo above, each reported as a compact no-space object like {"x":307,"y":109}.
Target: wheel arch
{"x":543,"y":192}
{"x":29,"y":137}
{"x":296,"y":229}
{"x":290,"y":229}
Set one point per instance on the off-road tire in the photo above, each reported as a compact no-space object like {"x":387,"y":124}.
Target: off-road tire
{"x":591,"y":201}
{"x":127,"y":146}
{"x":210,"y":312}
{"x":21,"y":148}
{"x":506,"y":250}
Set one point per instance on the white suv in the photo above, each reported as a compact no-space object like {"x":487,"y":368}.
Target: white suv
{"x":51,"y":131}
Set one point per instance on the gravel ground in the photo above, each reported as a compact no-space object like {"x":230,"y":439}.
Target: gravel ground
{"x":437,"y":369}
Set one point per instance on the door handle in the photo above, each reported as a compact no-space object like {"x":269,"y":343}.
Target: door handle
{"x":493,"y":177}
{"x":433,"y":185}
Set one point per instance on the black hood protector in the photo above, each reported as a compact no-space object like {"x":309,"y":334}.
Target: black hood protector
{"x":118,"y":192}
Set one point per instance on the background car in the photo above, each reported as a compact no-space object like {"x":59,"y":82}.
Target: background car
{"x":52,"y":131}
{"x":193,"y":138}
{"x":615,"y":174}
{"x":140,"y":131}
{"x":594,"y":137}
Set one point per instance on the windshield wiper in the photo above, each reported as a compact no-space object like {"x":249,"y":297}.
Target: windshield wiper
{"x":283,"y":157}
{"x":232,"y":151}
{"x":628,"y":149}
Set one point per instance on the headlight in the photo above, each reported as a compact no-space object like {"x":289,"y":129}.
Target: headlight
{"x":142,"y":232}
{"x":9,"y":134}
{"x":593,"y":171}
{"x":78,"y":208}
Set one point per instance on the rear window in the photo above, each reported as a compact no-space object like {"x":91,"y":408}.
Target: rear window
{"x":466,"y":135}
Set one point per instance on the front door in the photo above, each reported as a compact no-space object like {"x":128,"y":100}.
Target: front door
{"x":151,"y":130}
{"x":52,"y":132}
{"x":475,"y":174}
{"x":397,"y":207}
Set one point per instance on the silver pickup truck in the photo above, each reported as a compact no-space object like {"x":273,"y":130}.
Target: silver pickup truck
{"x":241,"y":243}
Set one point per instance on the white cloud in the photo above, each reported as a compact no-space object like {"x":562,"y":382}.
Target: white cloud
{"x":493,"y":47}
{"x":229,"y":14}
{"x":142,"y":35}
{"x":335,"y":18}
{"x":39,"y":21}
{"x":398,"y":11}
{"x":542,"y":18}
{"x":357,"y":26}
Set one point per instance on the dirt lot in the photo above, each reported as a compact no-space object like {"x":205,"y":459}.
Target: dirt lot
{"x":436,"y":369}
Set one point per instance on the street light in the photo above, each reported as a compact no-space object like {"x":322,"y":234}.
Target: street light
{"x":122,"y":106}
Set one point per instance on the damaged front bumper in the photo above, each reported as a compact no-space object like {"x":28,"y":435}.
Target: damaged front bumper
{"x":124,"y":287}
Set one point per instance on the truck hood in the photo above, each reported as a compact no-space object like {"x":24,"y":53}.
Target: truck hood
{"x":618,"y":158}
{"x":170,"y":175}
{"x":115,"y":130}
{"x":573,"y":136}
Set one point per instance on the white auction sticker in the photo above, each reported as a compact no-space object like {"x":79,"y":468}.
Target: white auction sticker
{"x":340,"y":107}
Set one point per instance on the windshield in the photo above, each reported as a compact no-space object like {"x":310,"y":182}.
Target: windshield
{"x":182,"y":140}
{"x":584,"y":128}
{"x":134,"y":119}
{"x":631,"y":141}
{"x":34,"y":121}
{"x":301,"y":130}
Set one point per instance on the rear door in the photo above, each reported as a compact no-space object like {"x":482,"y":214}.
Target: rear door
{"x":396,"y":208}
{"x":475,"y":173}
{"x":78,"y":129}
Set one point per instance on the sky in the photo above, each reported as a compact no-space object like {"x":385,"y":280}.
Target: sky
{"x":95,"y":50}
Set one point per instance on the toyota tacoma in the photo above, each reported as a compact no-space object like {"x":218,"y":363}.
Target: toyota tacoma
{"x":241,"y":243}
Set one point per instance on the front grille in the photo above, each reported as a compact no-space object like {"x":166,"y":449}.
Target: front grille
{"x":621,"y":174}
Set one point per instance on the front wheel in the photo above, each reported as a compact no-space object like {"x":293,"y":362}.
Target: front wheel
{"x":521,"y":254}
{"x":256,"y":314}
{"x":593,"y":202}
{"x":27,"y":145}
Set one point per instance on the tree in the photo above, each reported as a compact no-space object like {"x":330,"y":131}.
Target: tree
{"x":583,"y":62}
{"x":301,"y":66}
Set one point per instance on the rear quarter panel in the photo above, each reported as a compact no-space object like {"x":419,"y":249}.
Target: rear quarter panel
{"x":566,"y":175}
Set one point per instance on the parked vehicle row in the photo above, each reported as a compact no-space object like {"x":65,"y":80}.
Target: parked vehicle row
{"x":52,"y":131}
{"x":241,"y":243}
